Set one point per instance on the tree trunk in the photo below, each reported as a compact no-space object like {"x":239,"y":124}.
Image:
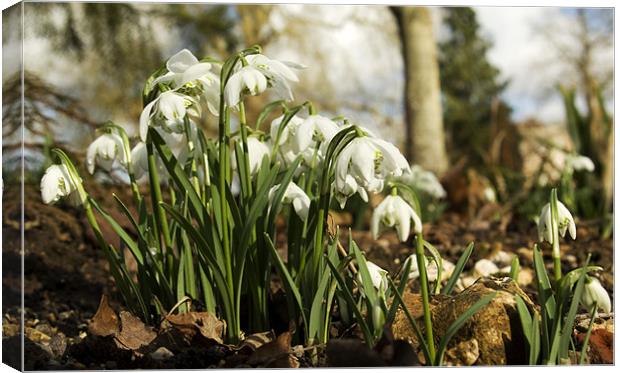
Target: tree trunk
{"x":425,"y":139}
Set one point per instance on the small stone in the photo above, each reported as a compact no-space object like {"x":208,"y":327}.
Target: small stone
{"x":525,"y":277}
{"x":161,"y":354}
{"x":463,"y":354}
{"x":492,"y":327}
{"x":484,"y":268}
{"x":467,"y":281}
{"x":502,"y":258}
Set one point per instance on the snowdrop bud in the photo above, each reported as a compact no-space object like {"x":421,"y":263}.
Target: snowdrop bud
{"x":579,"y":163}
{"x":565,"y":222}
{"x":594,"y":292}
{"x":294,"y":195}
{"x":393,"y":211}
{"x":378,"y":276}
{"x":57,"y":183}
{"x":485,"y":268}
{"x":104,"y":151}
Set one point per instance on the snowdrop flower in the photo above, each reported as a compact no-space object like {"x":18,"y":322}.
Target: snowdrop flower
{"x":278,"y":73}
{"x":315,"y":129}
{"x":378,"y":276}
{"x":393,"y":211}
{"x":57,"y":183}
{"x":369,"y":161}
{"x":350,"y":188}
{"x":295,"y":196}
{"x":565,"y":222}
{"x":168,"y":110}
{"x":594,"y":292}
{"x":579,"y":163}
{"x":185,"y":69}
{"x":139,"y":160}
{"x":287,"y":148}
{"x":489,"y":195}
{"x":247,"y":80}
{"x":140,"y":163}
{"x":260,"y":73}
{"x":425,"y":181}
{"x":104,"y":151}
{"x":257,"y":150}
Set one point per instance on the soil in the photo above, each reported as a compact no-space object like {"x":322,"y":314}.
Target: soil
{"x":65,"y":275}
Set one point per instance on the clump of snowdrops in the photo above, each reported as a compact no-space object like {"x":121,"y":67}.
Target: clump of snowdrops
{"x":549,"y":333}
{"x":207,"y":229}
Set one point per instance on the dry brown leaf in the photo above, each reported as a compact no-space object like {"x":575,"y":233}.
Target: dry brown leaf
{"x":275,"y":354}
{"x":134,"y":334}
{"x":105,"y":322}
{"x":256,"y":340}
{"x":191,"y":323}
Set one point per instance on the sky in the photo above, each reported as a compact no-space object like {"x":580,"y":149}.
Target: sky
{"x":522,"y":54}
{"x":360,"y":58}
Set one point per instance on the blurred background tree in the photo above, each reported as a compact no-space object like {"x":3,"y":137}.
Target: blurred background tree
{"x":425,"y":73}
{"x":424,"y":127}
{"x":470,"y":84}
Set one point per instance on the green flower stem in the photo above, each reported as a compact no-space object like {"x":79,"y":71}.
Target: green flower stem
{"x":158,"y":210}
{"x":428,"y":323}
{"x":557,"y":265}
{"x":192,"y":147}
{"x":233,"y":330}
{"x":246,"y":157}
{"x":311,"y":108}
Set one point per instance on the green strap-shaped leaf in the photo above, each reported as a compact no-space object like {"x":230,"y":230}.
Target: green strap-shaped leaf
{"x":458,"y":323}
{"x":398,"y":299}
{"x":458,"y":269}
{"x":291,"y":288}
{"x":348,"y":296}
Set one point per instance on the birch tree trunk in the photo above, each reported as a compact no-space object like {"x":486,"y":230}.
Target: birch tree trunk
{"x":425,"y":138}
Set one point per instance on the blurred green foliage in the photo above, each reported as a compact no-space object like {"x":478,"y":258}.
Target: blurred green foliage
{"x":469,"y":84}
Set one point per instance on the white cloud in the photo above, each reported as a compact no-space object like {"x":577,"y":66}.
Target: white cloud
{"x":525,"y":56}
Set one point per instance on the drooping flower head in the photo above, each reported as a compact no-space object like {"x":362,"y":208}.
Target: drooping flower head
{"x":565,"y":222}
{"x":104,"y":151}
{"x":378,"y":276}
{"x":168,"y":111}
{"x":287,"y":148}
{"x":368,"y":160}
{"x":57,"y":184}
{"x":579,"y":163}
{"x":395,"y":212}
{"x":425,"y":181}
{"x":184,"y":69}
{"x":593,"y":293}
{"x":295,"y":196}
{"x":316,"y":129}
{"x":259,"y":73}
